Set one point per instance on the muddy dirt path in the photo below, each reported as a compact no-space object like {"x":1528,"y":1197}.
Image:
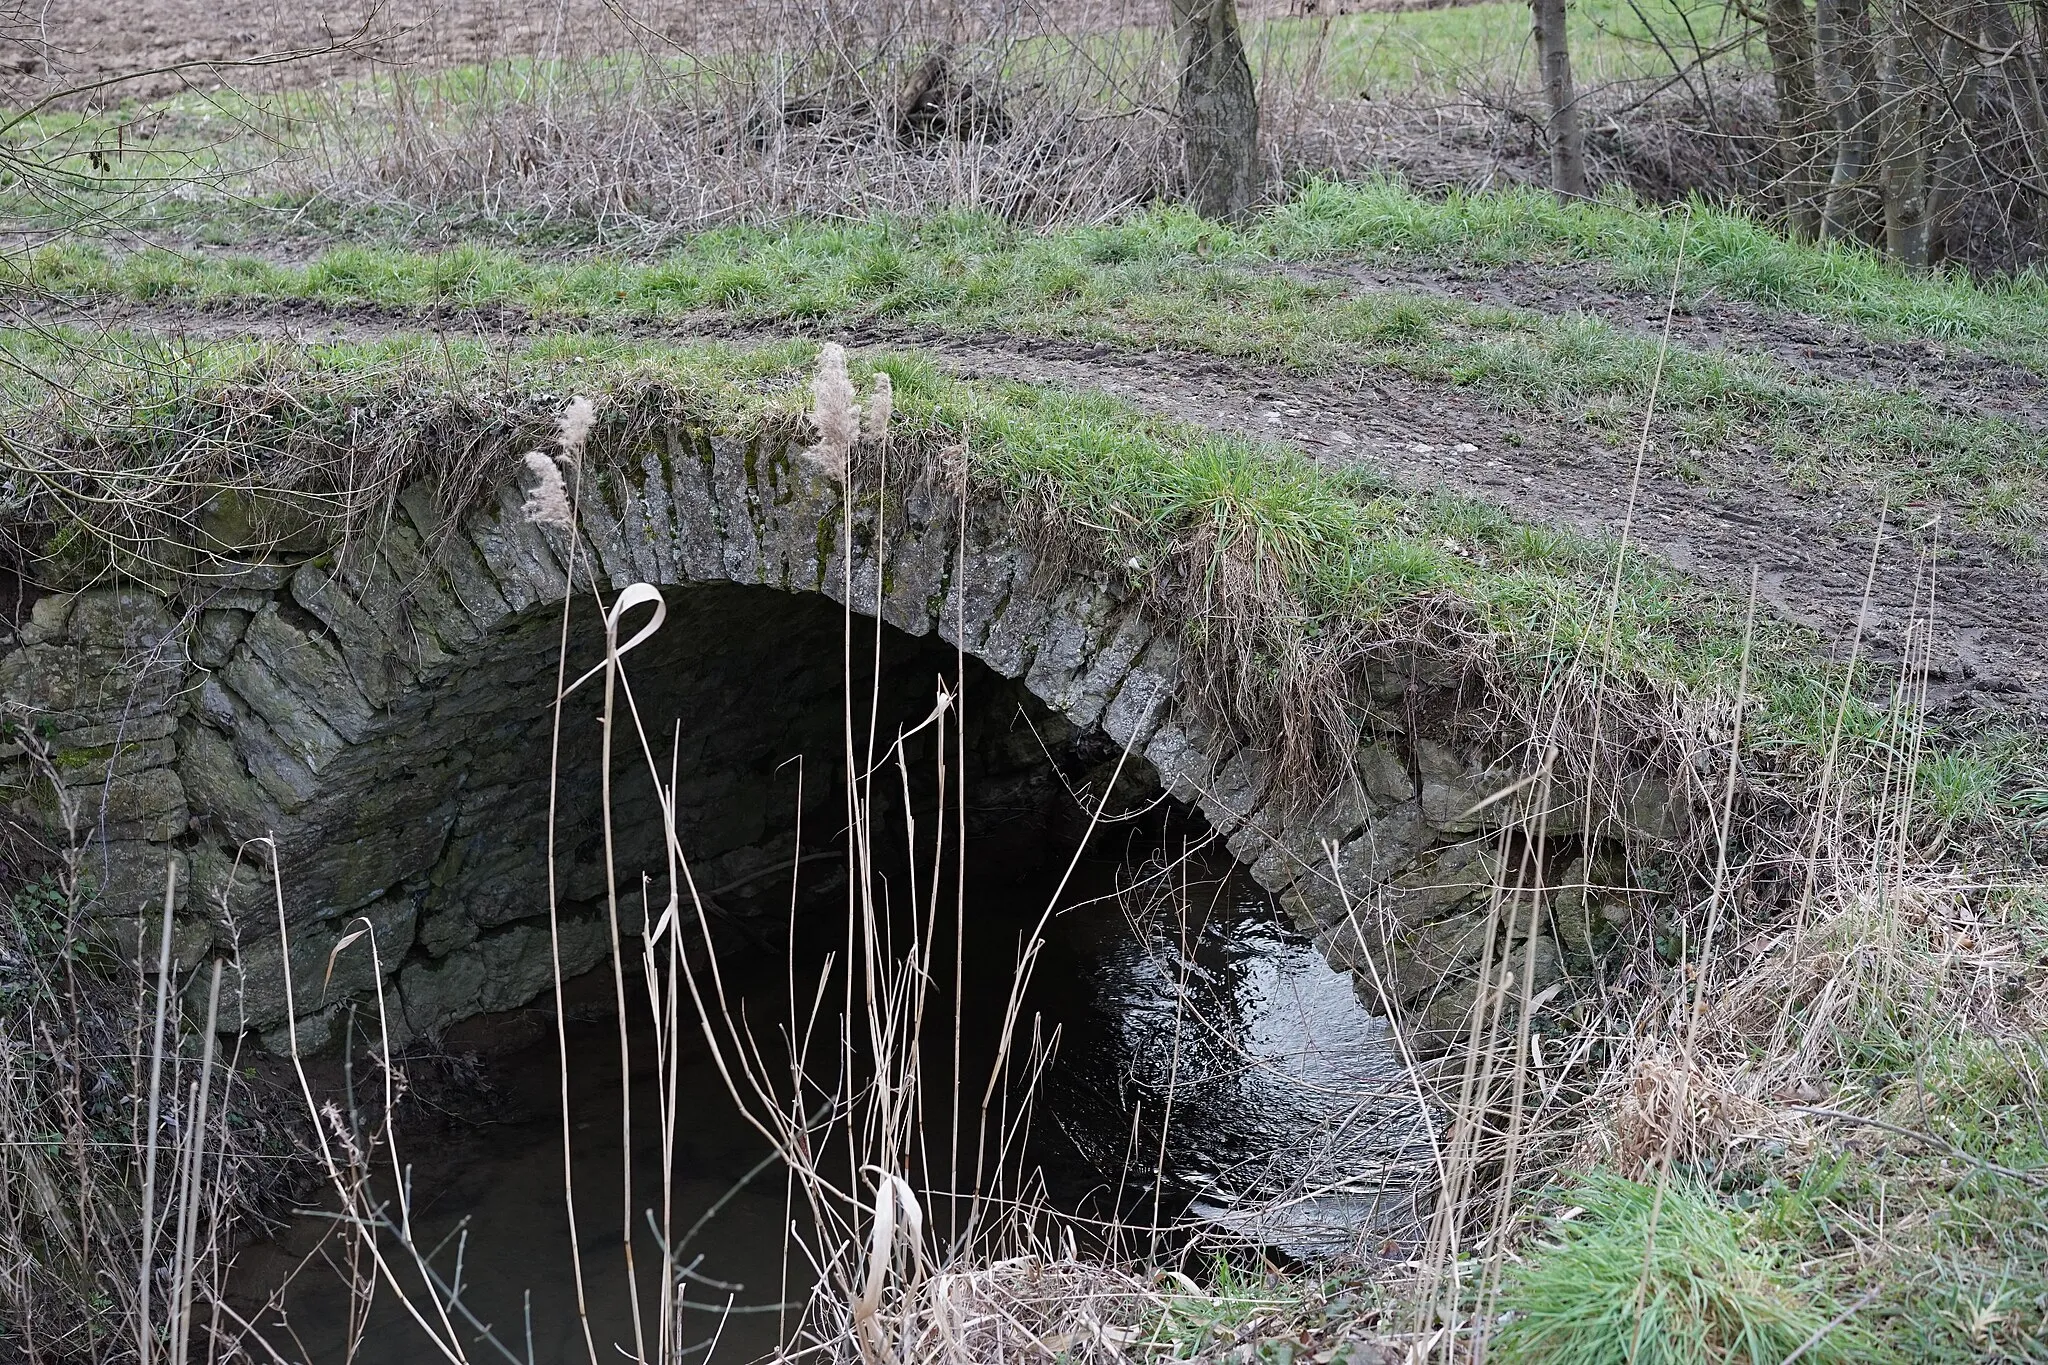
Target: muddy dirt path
{"x":1954,"y":378}
{"x":1812,"y":550}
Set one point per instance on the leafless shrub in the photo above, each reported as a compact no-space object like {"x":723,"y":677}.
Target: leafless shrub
{"x":825,"y":112}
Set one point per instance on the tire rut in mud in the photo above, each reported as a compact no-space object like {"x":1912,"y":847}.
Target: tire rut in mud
{"x":1812,"y":551}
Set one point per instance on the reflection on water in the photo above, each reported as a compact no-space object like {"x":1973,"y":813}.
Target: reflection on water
{"x":1222,"y":1069}
{"x":1210,"y":1064}
{"x":492,"y":1204}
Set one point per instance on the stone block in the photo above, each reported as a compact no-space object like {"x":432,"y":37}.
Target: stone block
{"x":1089,"y":697}
{"x":515,"y":553}
{"x":1299,"y":848}
{"x":979,"y":590}
{"x":237,"y":771}
{"x":1444,"y":878}
{"x":601,"y":519}
{"x":138,"y":939}
{"x":126,"y":877}
{"x":500,"y":971}
{"x":220,"y":630}
{"x":1261,"y":829}
{"x":493,"y":867}
{"x":1240,"y":786}
{"x":1384,"y":776}
{"x":737,"y":511}
{"x":1458,"y":795}
{"x":323,"y":972}
{"x":699,"y":539}
{"x":1651,"y":809}
{"x":916,"y":577}
{"x":1184,"y":765}
{"x":1392,"y":841}
{"x":146,"y":805}
{"x":1019,"y":627}
{"x":127,"y":621}
{"x":1145,"y":699}
{"x":239,"y":893}
{"x":81,"y":686}
{"x":649,"y":518}
{"x":447,"y":929}
{"x":366,"y":644}
{"x":87,"y":755}
{"x":48,"y":619}
{"x":416,"y":611}
{"x":456,"y":566}
{"x":1444,"y":1018}
{"x":301,"y":686}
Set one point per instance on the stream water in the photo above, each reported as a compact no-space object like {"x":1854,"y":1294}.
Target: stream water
{"x":1211,"y":1070}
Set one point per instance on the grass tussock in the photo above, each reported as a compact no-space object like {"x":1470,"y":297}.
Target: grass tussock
{"x":1668,"y":1277}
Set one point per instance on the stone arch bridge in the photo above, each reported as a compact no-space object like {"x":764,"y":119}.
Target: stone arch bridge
{"x":384,"y":711}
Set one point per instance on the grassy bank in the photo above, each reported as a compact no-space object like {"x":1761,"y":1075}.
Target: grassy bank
{"x":1727,"y":255}
{"x":1164,"y":279}
{"x":110,"y":454}
{"x":1901,"y":995}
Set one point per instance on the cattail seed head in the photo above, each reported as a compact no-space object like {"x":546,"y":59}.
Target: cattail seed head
{"x":547,"y":504}
{"x":875,"y":413}
{"x":573,"y":426}
{"x":833,"y":411}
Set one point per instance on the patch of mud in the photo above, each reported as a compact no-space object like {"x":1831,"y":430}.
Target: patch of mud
{"x":1811,"y":550}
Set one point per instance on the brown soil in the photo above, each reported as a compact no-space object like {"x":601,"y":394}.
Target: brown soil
{"x":1812,"y":551}
{"x":45,"y":48}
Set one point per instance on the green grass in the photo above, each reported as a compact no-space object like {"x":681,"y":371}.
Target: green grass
{"x":1947,"y":1236}
{"x":1725,"y":255}
{"x":1443,"y":51}
{"x":1710,"y":1292}
{"x":1345,"y":551}
{"x":1166,"y":279}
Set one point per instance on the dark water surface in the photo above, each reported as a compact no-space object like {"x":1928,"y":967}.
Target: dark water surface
{"x":1210,"y":1067}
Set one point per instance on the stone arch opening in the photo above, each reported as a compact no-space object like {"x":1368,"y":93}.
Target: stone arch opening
{"x":301,"y":698}
{"x":432,"y":823}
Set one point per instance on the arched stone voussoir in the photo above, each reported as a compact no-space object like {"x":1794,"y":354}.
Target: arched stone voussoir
{"x":385,"y":713}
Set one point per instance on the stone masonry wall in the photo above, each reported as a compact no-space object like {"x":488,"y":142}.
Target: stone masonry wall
{"x":383,"y":713}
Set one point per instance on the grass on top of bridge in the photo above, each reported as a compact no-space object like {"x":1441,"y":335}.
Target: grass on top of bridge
{"x":112,"y":459}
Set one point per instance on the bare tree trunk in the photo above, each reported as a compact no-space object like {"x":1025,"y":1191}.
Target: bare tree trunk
{"x":1554,"y":60}
{"x":1842,"y":30}
{"x":1904,"y":89}
{"x":2023,"y":82}
{"x":1219,"y":109}
{"x":1788,"y":33}
{"x":1952,"y":141}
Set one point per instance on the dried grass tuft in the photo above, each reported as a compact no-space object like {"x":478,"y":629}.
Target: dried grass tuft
{"x":833,"y":412}
{"x":547,"y":503}
{"x":827,"y":113}
{"x":1672,"y":1110}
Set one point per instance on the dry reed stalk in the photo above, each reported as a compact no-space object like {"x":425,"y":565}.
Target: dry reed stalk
{"x":111,"y":1246}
